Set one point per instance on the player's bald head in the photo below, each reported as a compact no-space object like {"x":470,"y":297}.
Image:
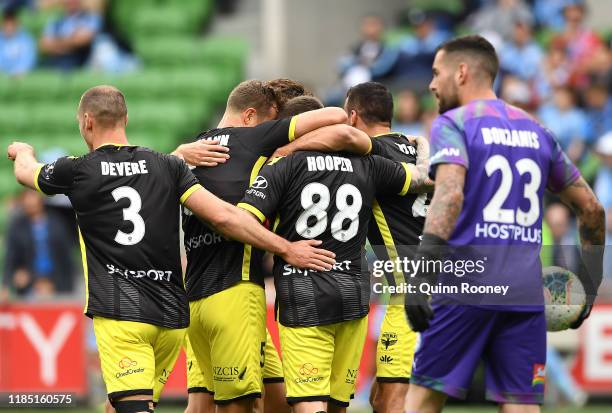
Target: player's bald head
{"x":475,"y":51}
{"x":105,"y":104}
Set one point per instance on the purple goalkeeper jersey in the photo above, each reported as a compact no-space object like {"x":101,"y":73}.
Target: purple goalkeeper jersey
{"x":510,"y":159}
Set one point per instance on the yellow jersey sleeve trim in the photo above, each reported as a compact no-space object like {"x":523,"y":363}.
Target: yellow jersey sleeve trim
{"x":189,"y":192}
{"x":292,"y":128}
{"x":111,"y":144}
{"x":275,"y":159}
{"x":370,"y":148}
{"x":36,"y":174}
{"x":261,"y":161}
{"x":252,"y":210}
{"x":404,"y":190}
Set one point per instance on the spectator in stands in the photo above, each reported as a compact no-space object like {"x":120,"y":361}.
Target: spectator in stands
{"x":585,"y":49}
{"x":518,"y":93}
{"x":38,"y":258}
{"x":408,"y":114}
{"x":555,"y":70}
{"x":67,"y":40}
{"x":426,"y":38}
{"x":499,"y":17}
{"x":446,"y":13}
{"x":417,"y":51}
{"x":567,"y":121}
{"x":371,"y":58}
{"x":599,"y":110}
{"x":17,"y":46}
{"x":521,"y":56}
{"x":429,"y":114}
{"x":603,"y":181}
{"x":549,"y":13}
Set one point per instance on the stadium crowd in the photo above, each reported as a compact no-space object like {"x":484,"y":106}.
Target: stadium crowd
{"x":552,"y":64}
{"x":78,"y":36}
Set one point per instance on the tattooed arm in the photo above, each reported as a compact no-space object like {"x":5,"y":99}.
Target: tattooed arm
{"x":591,"y":217}
{"x":447,"y":201}
{"x":591,"y":223}
{"x":439,"y":225}
{"x":420,"y":181}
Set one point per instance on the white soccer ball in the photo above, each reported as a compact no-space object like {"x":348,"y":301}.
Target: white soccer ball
{"x":564,"y":297}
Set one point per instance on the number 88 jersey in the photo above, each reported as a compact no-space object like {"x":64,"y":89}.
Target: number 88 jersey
{"x":126,"y":200}
{"x":327,"y":197}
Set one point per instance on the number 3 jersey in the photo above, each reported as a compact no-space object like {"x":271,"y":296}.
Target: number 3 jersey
{"x":325,"y":197}
{"x":510,"y":160}
{"x":126,"y":200}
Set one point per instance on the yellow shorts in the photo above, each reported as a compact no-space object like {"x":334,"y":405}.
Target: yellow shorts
{"x":228,"y":336}
{"x":136,"y":358}
{"x":195,"y":377}
{"x":396,"y":346}
{"x":273,"y":367}
{"x":321,"y":362}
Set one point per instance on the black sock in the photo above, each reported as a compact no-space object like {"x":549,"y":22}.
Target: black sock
{"x":133,"y":406}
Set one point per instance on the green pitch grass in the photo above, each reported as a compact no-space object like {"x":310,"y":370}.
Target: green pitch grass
{"x":479,"y":409}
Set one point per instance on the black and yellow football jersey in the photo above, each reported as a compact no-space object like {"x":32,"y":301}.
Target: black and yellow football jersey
{"x":215,"y":263}
{"x":397,"y":221}
{"x":126,"y":200}
{"x":326,"y":197}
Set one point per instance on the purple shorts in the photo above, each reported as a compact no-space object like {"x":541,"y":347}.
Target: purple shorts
{"x":512,"y":345}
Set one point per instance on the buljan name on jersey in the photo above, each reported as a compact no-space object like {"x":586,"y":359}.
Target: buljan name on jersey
{"x":123,"y":168}
{"x":329,"y":163}
{"x":510,"y":137}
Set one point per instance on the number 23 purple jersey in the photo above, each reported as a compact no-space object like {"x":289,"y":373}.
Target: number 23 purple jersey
{"x":510,"y":160}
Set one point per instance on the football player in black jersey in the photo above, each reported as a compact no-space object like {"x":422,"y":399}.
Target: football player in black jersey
{"x":127,"y":199}
{"x":397,"y":223}
{"x":224,"y":278}
{"x":322,"y":315}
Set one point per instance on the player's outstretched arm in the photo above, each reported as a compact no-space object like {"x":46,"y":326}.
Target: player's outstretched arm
{"x":334,"y":138}
{"x":315,"y":119}
{"x":240,"y":225}
{"x":25,"y":163}
{"x":591,"y":223}
{"x":202,"y":153}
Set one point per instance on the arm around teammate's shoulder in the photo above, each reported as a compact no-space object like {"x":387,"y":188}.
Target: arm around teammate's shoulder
{"x":333,"y":138}
{"x":240,"y":225}
{"x":202,"y":153}
{"x":315,"y":119}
